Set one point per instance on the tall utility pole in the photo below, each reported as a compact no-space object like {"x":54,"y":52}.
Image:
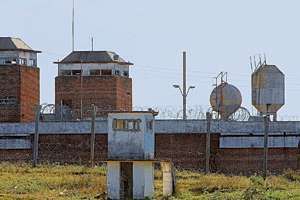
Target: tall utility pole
{"x":184,"y":85}
{"x":184,"y":92}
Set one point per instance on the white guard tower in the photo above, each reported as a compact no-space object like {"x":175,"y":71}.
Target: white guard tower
{"x":130,"y":162}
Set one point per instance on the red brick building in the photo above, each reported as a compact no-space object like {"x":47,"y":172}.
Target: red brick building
{"x":19,"y":81}
{"x":93,"y":77}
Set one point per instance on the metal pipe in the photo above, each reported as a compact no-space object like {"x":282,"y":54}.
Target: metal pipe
{"x":184,"y":86}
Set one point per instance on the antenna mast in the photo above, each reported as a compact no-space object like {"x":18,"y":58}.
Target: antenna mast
{"x":73,"y":32}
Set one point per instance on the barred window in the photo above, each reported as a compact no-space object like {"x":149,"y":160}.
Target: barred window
{"x":8,"y":100}
{"x":126,"y":124}
{"x":95,"y":72}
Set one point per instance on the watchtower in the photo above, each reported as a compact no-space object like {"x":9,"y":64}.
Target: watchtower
{"x":19,"y":81}
{"x":93,"y":77}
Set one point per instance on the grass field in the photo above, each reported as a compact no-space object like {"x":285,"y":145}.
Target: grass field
{"x":79,"y":182}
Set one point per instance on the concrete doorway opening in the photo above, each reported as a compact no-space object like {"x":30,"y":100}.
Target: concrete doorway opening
{"x":126,"y":180}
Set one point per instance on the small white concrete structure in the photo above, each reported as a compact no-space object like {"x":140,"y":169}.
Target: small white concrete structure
{"x":130,"y":162}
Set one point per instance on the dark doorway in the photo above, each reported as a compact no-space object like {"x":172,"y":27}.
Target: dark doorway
{"x":126,"y":182}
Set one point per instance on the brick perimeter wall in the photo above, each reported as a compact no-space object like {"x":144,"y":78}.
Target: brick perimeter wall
{"x":185,"y":150}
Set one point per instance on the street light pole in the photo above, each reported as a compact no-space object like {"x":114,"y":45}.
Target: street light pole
{"x":184,"y":92}
{"x":184,"y":95}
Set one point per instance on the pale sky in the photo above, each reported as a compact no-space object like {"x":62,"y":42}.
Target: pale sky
{"x":217,"y":35}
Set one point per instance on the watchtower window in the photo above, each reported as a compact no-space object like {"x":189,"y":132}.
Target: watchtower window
{"x":76,"y":72}
{"x":117,"y":72}
{"x":95,"y":72}
{"x":106,"y":72}
{"x":8,"y":100}
{"x":32,"y":62}
{"x":66,"y":72}
{"x":22,"y":61}
{"x":126,"y":73}
{"x":126,"y":124}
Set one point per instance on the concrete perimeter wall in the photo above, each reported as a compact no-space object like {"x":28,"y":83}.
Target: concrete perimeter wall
{"x":235,"y":146}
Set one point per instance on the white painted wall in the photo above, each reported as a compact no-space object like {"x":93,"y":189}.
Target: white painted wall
{"x":113,"y":179}
{"x":130,"y":144}
{"x":167,"y":178}
{"x":86,"y":67}
{"x":143,"y":179}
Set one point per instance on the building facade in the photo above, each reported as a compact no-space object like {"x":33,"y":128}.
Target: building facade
{"x":93,"y":77}
{"x":19,"y":81}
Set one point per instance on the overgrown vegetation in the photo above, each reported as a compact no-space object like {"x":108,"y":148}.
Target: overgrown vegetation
{"x":79,"y":182}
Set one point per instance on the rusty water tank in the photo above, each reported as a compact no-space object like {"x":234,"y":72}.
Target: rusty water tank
{"x":225,"y":99}
{"x":268,"y":89}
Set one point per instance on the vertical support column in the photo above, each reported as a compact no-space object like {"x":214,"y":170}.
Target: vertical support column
{"x":36,"y":136}
{"x":93,"y":136}
{"x":113,"y":179}
{"x":207,"y":150}
{"x":266,"y":135}
{"x":168,"y":179}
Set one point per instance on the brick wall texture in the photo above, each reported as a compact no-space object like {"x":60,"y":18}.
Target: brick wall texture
{"x":106,"y":92}
{"x":23,"y":83}
{"x":187,"y":151}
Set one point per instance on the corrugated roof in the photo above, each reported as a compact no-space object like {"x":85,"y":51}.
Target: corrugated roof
{"x":14,"y":44}
{"x":94,"y":57}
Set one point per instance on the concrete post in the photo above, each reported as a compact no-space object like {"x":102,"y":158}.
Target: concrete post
{"x":207,"y":152}
{"x":266,"y":135}
{"x":168,"y":179}
{"x":36,"y":136}
{"x":93,"y":136}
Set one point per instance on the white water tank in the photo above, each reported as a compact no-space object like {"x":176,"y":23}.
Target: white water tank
{"x":225,"y":99}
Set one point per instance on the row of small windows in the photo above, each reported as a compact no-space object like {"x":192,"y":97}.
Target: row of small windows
{"x":127,"y":124}
{"x":8,"y":101}
{"x":20,"y":61}
{"x":130,"y":124}
{"x":94,"y":72}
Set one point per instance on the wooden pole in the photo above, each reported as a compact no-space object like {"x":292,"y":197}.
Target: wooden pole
{"x":266,"y":130}
{"x":36,"y":136}
{"x":207,"y":152}
{"x":93,"y":136}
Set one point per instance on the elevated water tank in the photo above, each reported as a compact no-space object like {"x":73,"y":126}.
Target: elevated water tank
{"x":225,"y":99}
{"x":268,"y":89}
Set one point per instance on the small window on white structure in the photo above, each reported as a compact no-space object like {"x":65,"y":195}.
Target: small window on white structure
{"x":126,"y":124}
{"x":150,"y":125}
{"x":126,"y":73}
{"x":106,"y":72}
{"x":8,"y":100}
{"x":117,"y":72}
{"x":95,"y":72}
{"x":66,"y":72}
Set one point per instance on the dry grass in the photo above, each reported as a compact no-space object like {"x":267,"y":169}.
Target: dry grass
{"x":79,"y":182}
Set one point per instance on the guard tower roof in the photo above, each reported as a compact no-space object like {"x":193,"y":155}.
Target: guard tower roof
{"x":14,"y":44}
{"x":93,"y":57}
